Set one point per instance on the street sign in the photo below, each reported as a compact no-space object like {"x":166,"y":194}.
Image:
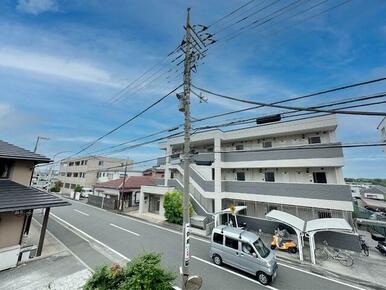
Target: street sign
{"x":187,"y":244}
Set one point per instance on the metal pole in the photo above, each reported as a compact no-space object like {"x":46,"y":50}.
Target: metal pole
{"x":43,"y":232}
{"x":123,"y":187}
{"x":186,"y":100}
{"x":36,"y":144}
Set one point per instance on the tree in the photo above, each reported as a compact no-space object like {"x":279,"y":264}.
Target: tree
{"x":57,"y":186}
{"x":142,"y":273}
{"x":173,"y":207}
{"x":78,"y":188}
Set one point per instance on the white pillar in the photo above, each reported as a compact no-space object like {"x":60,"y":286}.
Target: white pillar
{"x":167,"y":164}
{"x":217,"y":175}
{"x":300,"y":245}
{"x":312,"y":247}
{"x":141,"y":201}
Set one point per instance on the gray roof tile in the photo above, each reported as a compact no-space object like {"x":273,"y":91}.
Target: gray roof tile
{"x":11,"y":151}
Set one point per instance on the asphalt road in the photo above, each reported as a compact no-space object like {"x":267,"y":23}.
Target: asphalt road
{"x":128,"y":237}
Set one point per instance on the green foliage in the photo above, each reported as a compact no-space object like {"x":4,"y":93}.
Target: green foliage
{"x":142,"y":273}
{"x":173,"y":207}
{"x":373,"y":181}
{"x":78,"y":188}
{"x":57,"y":186}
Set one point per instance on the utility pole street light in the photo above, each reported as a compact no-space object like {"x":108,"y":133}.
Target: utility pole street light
{"x":37,"y":142}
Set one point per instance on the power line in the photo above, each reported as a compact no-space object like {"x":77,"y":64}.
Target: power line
{"x":128,"y":121}
{"x":291,"y":107}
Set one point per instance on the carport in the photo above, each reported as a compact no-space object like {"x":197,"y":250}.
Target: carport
{"x":292,"y":221}
{"x":326,"y":224}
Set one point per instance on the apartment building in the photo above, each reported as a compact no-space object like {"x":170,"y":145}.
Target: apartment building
{"x":293,"y":166}
{"x":84,"y":171}
{"x":113,"y":174}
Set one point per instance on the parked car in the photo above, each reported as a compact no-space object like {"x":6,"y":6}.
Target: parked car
{"x":243,"y":250}
{"x":86,"y":191}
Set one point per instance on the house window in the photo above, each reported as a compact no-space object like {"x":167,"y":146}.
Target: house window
{"x":73,"y":186}
{"x":85,"y":162}
{"x":240,"y":176}
{"x":314,"y":140}
{"x":213,"y":173}
{"x":82,"y":162}
{"x":68,"y":174}
{"x":77,"y":163}
{"x":75,"y":174}
{"x":67,"y":185}
{"x":232,"y":243}
{"x":239,"y":147}
{"x":270,"y":176}
{"x":217,"y":238}
{"x":324,"y":214}
{"x":320,"y":177}
{"x":267,"y":144}
{"x":71,"y":164}
{"x":100,"y":163}
{"x":4,"y":168}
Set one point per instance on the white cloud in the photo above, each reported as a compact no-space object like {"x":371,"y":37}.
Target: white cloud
{"x":5,"y":110}
{"x":56,"y":66}
{"x":36,"y":7}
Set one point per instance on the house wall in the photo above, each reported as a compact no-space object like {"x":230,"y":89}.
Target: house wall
{"x":11,"y":227}
{"x":21,"y":172}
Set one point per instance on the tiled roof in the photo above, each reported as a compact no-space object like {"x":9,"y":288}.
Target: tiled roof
{"x":132,"y":182}
{"x":377,"y":189}
{"x":11,"y":151}
{"x":14,"y":196}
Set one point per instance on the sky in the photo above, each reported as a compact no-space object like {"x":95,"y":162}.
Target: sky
{"x":63,"y":61}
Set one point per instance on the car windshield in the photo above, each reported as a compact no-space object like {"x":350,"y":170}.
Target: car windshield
{"x":261,"y":248}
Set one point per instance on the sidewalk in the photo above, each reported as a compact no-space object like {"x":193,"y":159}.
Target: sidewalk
{"x":56,"y":269}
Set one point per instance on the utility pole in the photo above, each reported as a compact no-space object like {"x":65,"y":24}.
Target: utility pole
{"x":37,"y":142}
{"x":186,"y":199}
{"x":123,"y":187}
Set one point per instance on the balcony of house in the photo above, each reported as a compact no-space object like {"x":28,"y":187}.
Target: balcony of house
{"x":290,"y":156}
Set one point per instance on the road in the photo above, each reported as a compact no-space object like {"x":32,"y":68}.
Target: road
{"x":126,"y":237}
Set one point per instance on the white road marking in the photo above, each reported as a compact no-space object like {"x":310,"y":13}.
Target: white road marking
{"x":206,"y":241}
{"x":123,"y":229}
{"x":81,"y":212}
{"x":71,"y":252}
{"x":71,"y":227}
{"x":234,"y":273}
{"x":320,"y":276}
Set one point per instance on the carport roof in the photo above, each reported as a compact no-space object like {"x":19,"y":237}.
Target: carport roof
{"x":328,"y":224}
{"x":14,"y":196}
{"x":286,"y":218}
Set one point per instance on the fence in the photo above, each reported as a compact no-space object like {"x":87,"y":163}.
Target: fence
{"x":102,"y":202}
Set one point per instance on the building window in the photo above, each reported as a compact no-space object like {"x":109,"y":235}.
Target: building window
{"x":68,"y":174}
{"x":217,"y":238}
{"x":67,"y":185}
{"x":240,"y":176}
{"x":5,"y":166}
{"x":77,"y":163}
{"x":171,"y":174}
{"x":75,"y":174}
{"x":270,"y":176}
{"x":267,"y":144}
{"x":73,"y":186}
{"x":82,"y":162}
{"x":213,"y":173}
{"x":232,"y":243}
{"x":100,"y":163}
{"x":314,"y":140}
{"x":71,"y":164}
{"x":239,"y":147}
{"x":85,"y":162}
{"x":320,"y":177}
{"x":324,"y":214}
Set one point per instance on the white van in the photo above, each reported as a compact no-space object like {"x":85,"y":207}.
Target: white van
{"x":243,"y":250}
{"x":86,"y":191}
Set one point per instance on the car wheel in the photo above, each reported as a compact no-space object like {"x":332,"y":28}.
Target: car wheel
{"x":263,"y":278}
{"x":273,"y":247}
{"x":217,"y":260}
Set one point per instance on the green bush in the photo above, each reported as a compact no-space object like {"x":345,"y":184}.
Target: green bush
{"x":56,"y":188}
{"x":142,"y":273}
{"x":173,"y":207}
{"x":78,"y":188}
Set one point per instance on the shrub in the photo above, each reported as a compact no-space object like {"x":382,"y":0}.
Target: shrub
{"x":56,"y":188}
{"x":142,"y":273}
{"x":78,"y":188}
{"x":173,"y":207}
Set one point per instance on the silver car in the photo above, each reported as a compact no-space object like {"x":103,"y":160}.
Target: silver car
{"x":243,"y":250}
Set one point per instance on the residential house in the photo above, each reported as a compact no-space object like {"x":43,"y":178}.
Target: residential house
{"x":374,"y":192}
{"x":83,"y":171}
{"x":18,"y":201}
{"x":113,"y":174}
{"x":293,"y":166}
{"x":108,"y":194}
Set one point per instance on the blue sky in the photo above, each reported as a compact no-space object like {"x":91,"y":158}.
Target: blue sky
{"x":62,"y":60}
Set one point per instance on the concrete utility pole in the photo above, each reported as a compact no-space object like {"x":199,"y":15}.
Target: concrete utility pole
{"x":123,"y":187}
{"x":186,"y":110}
{"x":37,"y":142}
